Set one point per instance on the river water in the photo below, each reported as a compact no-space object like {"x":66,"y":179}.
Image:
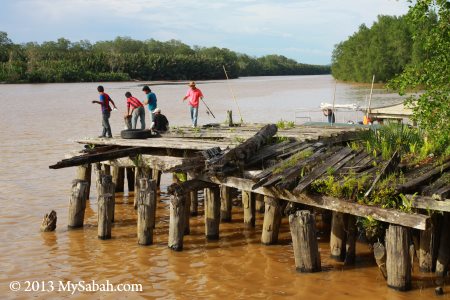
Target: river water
{"x":38,"y":125}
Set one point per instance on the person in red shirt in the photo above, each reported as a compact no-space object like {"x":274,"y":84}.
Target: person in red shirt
{"x":195,"y":95}
{"x":135,"y":110}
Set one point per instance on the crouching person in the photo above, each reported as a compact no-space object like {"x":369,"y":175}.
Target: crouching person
{"x":160,"y":123}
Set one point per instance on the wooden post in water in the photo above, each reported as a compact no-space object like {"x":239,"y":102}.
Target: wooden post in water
{"x":379,"y":252}
{"x":130,"y":178}
{"x":304,"y":241}
{"x":187,"y":228}
{"x":118,"y":177}
{"x":193,"y":197}
{"x":338,"y":236}
{"x":156,"y":174}
{"x":428,"y":245}
{"x":212,"y":212}
{"x":259,"y":203}
{"x":104,"y":216}
{"x":248,"y":204}
{"x":140,"y":172}
{"x":84,"y":172}
{"x":177,"y":222}
{"x":225,"y":204}
{"x":398,"y":260}
{"x":443,"y":257}
{"x":98,"y":180}
{"x":350,"y":245}
{"x":106,"y":169}
{"x":272,"y":221}
{"x":146,"y":211}
{"x":107,"y":187}
{"x":77,"y":204}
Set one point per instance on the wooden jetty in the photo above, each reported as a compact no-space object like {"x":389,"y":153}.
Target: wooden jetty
{"x":276,"y":168}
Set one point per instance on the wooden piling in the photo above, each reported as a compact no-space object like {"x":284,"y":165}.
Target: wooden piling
{"x":107,"y":187}
{"x":193,"y":197}
{"x":118,"y":177}
{"x":177,"y":221}
{"x":106,"y":169}
{"x":225,"y":204}
{"x":338,"y":236}
{"x":350,"y":243}
{"x":146,"y":211}
{"x":443,"y":257}
{"x":130,"y":178}
{"x":304,"y":241}
{"x":212,"y":212}
{"x":77,"y":204}
{"x":84,"y":172}
{"x":259,"y":203}
{"x":229,"y":118}
{"x":156,"y":174}
{"x":248,"y":204}
{"x":379,"y":252}
{"x":398,"y":260}
{"x":187,"y":228}
{"x":104,"y":212}
{"x":272,"y":221}
{"x":140,"y":172}
{"x":428,"y":245}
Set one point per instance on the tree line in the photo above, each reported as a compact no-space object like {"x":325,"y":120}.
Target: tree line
{"x":127,"y":59}
{"x":384,"y":49}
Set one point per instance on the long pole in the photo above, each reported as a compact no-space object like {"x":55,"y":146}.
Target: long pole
{"x":208,"y":108}
{"x":370,"y":96}
{"x":334,"y":100}
{"x":232,"y":94}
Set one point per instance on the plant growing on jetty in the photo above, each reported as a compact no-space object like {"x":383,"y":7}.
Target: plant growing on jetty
{"x":285,"y":124}
{"x":293,"y":160}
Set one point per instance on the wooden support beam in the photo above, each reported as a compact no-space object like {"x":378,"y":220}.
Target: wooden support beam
{"x":177,"y":222}
{"x":146,"y":211}
{"x":350,"y":244}
{"x":187,"y":228}
{"x":379,"y":252}
{"x":259,"y":203}
{"x":338,"y":237}
{"x":84,"y":172}
{"x":225,"y":204}
{"x":304,"y":241}
{"x":272,"y":221}
{"x":428,"y":246}
{"x":107,"y":187}
{"x":140,"y":173}
{"x":443,"y":257}
{"x":429,"y":203}
{"x":130,"y":178}
{"x":77,"y":204}
{"x":156,"y":174}
{"x":398,"y":260}
{"x":212,"y":212}
{"x":104,"y":220}
{"x":118,"y":177}
{"x":248,"y":205}
{"x":417,"y":221}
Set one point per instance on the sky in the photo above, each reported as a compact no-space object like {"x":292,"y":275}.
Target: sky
{"x":303,"y":30}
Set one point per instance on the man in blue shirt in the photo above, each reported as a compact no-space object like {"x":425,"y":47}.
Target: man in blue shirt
{"x":151,"y":101}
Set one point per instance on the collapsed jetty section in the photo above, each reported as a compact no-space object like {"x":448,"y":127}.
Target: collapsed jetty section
{"x":299,"y":172}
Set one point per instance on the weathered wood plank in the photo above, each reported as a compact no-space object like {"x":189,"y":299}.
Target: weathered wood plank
{"x":430,"y":203}
{"x":387,"y":168}
{"x":417,"y":221}
{"x":420,"y":180}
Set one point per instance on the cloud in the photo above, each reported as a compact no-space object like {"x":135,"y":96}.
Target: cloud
{"x":257,"y":26}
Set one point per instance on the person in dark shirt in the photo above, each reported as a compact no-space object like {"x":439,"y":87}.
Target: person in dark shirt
{"x":160,"y":124}
{"x":106,"y":111}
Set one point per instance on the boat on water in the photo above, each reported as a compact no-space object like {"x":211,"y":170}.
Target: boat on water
{"x":353,"y":114}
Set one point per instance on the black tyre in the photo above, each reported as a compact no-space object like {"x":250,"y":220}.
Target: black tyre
{"x":135,"y":134}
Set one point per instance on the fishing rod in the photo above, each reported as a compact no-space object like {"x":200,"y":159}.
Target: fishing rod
{"x":210,"y":111}
{"x":232,"y":94}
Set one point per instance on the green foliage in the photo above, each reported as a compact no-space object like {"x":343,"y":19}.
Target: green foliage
{"x":282,"y":124}
{"x":125,"y":59}
{"x":181,"y":176}
{"x":432,"y":107}
{"x":373,"y":229}
{"x":390,"y":138}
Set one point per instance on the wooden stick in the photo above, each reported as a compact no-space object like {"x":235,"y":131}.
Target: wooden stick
{"x":232,"y":94}
{"x":104,"y":219}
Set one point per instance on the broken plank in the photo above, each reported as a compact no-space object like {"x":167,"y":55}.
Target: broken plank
{"x":429,"y":203}
{"x":417,"y":221}
{"x":420,"y":180}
